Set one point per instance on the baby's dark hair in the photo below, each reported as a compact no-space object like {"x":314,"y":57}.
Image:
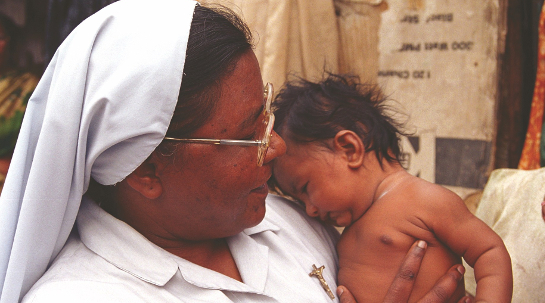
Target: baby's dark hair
{"x":314,"y":112}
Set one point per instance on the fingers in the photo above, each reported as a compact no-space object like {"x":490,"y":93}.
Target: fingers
{"x":403,"y":283}
{"x":445,"y":287}
{"x":466,"y":299}
{"x":402,"y":286}
{"x":345,"y":296}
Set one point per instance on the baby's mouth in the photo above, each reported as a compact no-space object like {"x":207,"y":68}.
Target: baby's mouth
{"x":328,"y":218}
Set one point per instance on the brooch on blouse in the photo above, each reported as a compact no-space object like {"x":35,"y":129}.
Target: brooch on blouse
{"x":318,"y":273}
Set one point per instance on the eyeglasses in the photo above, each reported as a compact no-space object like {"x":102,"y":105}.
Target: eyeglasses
{"x":266,"y":132}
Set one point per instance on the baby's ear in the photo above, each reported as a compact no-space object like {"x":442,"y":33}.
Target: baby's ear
{"x":144,"y":179}
{"x":351,"y":146}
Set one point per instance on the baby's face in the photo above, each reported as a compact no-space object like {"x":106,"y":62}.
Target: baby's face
{"x":321,"y":180}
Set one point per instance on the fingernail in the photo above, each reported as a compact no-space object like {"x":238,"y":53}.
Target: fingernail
{"x":461,"y":269}
{"x":340,"y":291}
{"x":543,"y":203}
{"x":467,"y":300}
{"x":421,"y":244}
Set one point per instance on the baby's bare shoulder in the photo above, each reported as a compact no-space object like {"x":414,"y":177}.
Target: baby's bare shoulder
{"x":426,"y":204}
{"x":422,"y":191}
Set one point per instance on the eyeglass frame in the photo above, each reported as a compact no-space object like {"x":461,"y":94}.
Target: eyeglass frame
{"x":263,"y":144}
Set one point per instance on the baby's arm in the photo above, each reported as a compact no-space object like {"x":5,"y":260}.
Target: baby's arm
{"x":477,"y":243}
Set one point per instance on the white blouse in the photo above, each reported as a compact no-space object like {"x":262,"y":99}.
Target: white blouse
{"x":108,"y":261}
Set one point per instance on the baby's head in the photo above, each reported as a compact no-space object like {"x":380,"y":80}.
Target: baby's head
{"x":323,"y":123}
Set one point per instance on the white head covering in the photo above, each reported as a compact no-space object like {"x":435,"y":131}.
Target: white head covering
{"x":102,"y":106}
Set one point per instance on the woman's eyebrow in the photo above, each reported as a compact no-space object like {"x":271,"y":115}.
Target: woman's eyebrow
{"x":250,"y":119}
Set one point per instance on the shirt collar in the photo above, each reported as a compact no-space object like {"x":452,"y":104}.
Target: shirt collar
{"x":251,"y":257}
{"x":104,"y":234}
{"x":146,"y":261}
{"x":265,"y":225}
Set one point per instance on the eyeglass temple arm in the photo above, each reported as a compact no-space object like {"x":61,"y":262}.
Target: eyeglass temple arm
{"x":240,"y":142}
{"x":218,"y":141}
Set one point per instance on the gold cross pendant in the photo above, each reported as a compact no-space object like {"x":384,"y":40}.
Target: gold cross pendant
{"x":318,"y":273}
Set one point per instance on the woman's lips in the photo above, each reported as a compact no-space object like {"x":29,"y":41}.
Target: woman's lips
{"x":263,"y":189}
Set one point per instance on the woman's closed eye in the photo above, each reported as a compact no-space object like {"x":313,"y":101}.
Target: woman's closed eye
{"x":252,"y":136}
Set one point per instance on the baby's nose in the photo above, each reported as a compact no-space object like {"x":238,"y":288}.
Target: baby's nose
{"x":311,"y":210}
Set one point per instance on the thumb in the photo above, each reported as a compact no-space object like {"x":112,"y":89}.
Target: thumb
{"x":344,"y":295}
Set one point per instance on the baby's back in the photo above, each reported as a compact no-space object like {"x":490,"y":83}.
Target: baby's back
{"x":372,"y":249}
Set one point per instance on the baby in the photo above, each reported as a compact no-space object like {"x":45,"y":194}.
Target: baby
{"x":343,"y":163}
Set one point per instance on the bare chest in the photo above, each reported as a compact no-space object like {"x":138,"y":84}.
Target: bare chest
{"x":372,"y":249}
{"x":384,"y":231}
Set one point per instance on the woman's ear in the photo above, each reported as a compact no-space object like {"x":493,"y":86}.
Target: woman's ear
{"x":351,"y":145}
{"x":144,"y":179}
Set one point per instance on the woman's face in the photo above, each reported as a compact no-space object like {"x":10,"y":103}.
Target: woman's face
{"x":215,"y":191}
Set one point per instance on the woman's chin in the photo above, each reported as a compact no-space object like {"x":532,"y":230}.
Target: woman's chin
{"x":256,"y":213}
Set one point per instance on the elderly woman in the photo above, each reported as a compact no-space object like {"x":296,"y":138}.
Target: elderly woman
{"x":157,"y":112}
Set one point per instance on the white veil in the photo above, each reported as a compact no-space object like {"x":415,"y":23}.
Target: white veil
{"x":102,"y":106}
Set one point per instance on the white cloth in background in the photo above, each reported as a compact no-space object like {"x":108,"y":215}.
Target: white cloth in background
{"x":102,"y":106}
{"x":293,"y":37}
{"x":511,"y":206}
{"x":114,"y":263}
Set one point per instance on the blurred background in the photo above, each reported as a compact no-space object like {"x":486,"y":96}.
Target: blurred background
{"x":463,"y":73}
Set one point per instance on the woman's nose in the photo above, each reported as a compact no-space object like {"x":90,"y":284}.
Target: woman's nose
{"x":276,"y":149}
